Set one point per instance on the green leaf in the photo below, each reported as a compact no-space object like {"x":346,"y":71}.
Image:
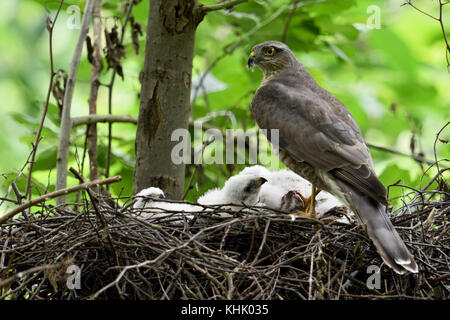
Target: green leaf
{"x":46,"y":159}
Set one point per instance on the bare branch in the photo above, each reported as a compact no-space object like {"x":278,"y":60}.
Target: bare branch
{"x":234,"y":45}
{"x":393,"y":151}
{"x":19,"y":275}
{"x":66,"y":125}
{"x":50,"y":26}
{"x":91,"y":134}
{"x":409,"y":3}
{"x":441,"y":22}
{"x":434,"y":145}
{"x":110,"y":88}
{"x":106,"y":118}
{"x":125,"y":118}
{"x":223,"y":5}
{"x":56,"y":194}
{"x":288,"y":21}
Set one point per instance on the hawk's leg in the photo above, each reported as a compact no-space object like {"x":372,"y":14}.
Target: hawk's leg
{"x":309,"y":209}
{"x":311,"y":202}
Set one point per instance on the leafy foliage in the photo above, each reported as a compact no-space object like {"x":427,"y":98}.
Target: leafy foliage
{"x":392,"y":79}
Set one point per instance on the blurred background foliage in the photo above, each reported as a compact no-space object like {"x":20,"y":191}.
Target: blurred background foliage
{"x":393,"y":79}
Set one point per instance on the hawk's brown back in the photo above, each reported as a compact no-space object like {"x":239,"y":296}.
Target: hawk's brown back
{"x":316,"y":128}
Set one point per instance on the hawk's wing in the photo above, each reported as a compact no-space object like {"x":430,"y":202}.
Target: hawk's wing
{"x":318,"y":130}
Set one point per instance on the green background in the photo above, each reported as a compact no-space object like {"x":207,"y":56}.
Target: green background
{"x":393,"y":79}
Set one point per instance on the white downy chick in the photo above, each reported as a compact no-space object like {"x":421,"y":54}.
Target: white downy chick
{"x":239,"y":189}
{"x":144,"y":195}
{"x":148,"y":198}
{"x":282,"y":183}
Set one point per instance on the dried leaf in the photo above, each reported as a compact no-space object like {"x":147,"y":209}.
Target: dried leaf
{"x":114,"y":51}
{"x":90,"y":50}
{"x":136,"y":31}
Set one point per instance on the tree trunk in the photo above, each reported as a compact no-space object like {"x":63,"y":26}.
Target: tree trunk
{"x":165,"y":93}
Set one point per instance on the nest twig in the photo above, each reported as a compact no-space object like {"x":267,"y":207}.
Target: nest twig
{"x":255,"y":254}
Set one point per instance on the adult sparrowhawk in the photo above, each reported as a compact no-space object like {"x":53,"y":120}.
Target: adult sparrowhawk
{"x":320,"y":140}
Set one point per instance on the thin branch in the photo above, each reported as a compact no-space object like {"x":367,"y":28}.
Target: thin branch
{"x":412,"y":156}
{"x":110,"y":89}
{"x":409,"y":3}
{"x":66,"y":125}
{"x":106,"y":118}
{"x":56,"y":194}
{"x":22,"y":274}
{"x":434,"y":146}
{"x":50,"y":26}
{"x":125,"y":118}
{"x":229,"y":49}
{"x":18,"y":176}
{"x":19,"y":195}
{"x":288,"y":21}
{"x":191,"y":180}
{"x":91,"y":131}
{"x":441,"y":22}
{"x":100,"y":217}
{"x":223,"y":5}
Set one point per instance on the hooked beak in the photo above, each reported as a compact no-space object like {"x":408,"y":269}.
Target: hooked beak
{"x":251,"y":60}
{"x":261,"y":180}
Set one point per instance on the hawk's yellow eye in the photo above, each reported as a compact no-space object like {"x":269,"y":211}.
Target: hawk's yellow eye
{"x":269,"y":51}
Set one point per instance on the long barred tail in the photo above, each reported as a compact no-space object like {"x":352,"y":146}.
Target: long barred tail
{"x":383,"y":234}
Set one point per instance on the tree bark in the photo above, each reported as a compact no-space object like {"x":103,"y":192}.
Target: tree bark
{"x":165,"y":93}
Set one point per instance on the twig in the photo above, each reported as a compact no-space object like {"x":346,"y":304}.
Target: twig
{"x":444,"y":277}
{"x":110,"y":89}
{"x":57,"y":193}
{"x":441,"y":22}
{"x":191,"y":180}
{"x":207,"y":259}
{"x":19,"y":195}
{"x":434,"y":146}
{"x":17,"y":177}
{"x":83,"y":120}
{"x":420,"y":10}
{"x":100,"y":217}
{"x":288,"y":21}
{"x":50,"y":26}
{"x":412,"y":156}
{"x":19,"y":275}
{"x":223,"y":5}
{"x":234,"y":45}
{"x":91,"y":131}
{"x":125,"y":118}
{"x":66,"y":125}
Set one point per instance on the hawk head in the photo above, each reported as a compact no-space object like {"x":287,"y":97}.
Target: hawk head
{"x":271,"y":57}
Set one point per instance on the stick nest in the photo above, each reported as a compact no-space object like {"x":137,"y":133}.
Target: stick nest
{"x":104,"y":251}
